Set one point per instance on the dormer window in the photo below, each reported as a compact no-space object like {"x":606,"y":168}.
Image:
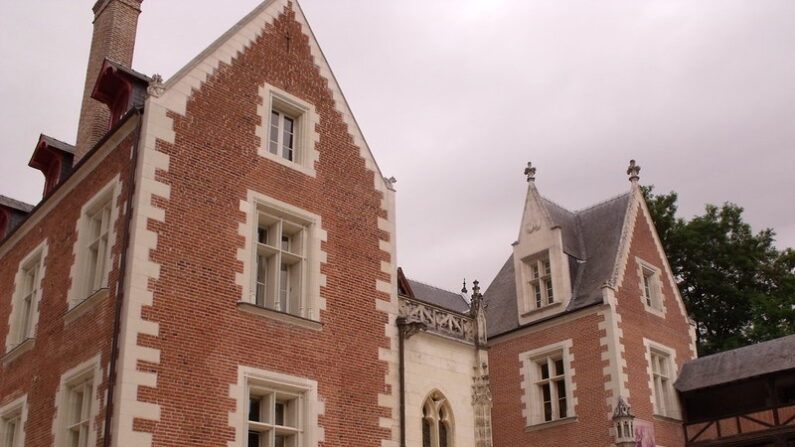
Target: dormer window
{"x":541,"y":282}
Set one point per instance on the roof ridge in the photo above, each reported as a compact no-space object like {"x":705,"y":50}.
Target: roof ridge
{"x":558,"y":205}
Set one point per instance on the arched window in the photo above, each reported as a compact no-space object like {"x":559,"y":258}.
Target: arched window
{"x":437,"y":421}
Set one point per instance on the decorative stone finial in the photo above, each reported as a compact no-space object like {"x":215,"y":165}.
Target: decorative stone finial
{"x":156,"y":87}
{"x":476,"y":288}
{"x":633,"y":171}
{"x":464,"y":289}
{"x":390,"y":182}
{"x":530,"y":172}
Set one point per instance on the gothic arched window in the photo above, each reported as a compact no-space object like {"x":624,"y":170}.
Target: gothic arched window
{"x":437,"y":421}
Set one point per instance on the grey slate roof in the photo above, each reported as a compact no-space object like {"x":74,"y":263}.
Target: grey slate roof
{"x":15,"y":204}
{"x":58,"y":144}
{"x":737,"y":364}
{"x":439,"y":297}
{"x":591,"y":239}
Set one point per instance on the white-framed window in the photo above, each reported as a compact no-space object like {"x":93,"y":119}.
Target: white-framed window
{"x":95,"y":238}
{"x":282,"y":260}
{"x":650,"y":286}
{"x":437,"y":421}
{"x":548,"y":383}
{"x":287,"y":131}
{"x":27,"y":294}
{"x":12,"y":423}
{"x":77,"y":405}
{"x":662,"y":373}
{"x":540,"y":278}
{"x":276,"y":409}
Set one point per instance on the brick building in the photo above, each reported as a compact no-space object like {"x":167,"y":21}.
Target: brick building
{"x":213,"y":263}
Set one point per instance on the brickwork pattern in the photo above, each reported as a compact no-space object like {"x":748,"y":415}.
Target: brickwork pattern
{"x":60,"y":345}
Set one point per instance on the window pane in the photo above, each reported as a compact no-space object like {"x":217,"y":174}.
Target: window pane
{"x":262,"y":279}
{"x":254,"y":406}
{"x":426,"y":433}
{"x":547,"y":268}
{"x":550,"y":295}
{"x":442,"y":434}
{"x":539,"y":299}
{"x":284,"y":286}
{"x":253,"y":439}
{"x":559,"y":367}
{"x":288,"y":125}
{"x":280,"y":441}
{"x":279,"y":417}
{"x":548,"y":411}
{"x":561,"y":385}
{"x":262,"y":235}
{"x":546,"y":392}
{"x":544,"y":370}
{"x":286,"y":243}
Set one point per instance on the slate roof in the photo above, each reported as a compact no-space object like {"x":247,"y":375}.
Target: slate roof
{"x":58,"y":144}
{"x":15,"y":204}
{"x":590,"y":238}
{"x":742,"y":363}
{"x":439,"y":297}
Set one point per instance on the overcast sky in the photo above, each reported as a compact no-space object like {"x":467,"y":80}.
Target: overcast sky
{"x":454,"y":97}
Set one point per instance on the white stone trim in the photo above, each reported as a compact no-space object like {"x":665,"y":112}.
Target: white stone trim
{"x":671,"y":354}
{"x":316,"y":256}
{"x":78,"y":289}
{"x":306,"y":118}
{"x":18,"y":406}
{"x":140,"y":270}
{"x":531,"y":411}
{"x":656,"y":284}
{"x":313,"y":405}
{"x":87,"y":370}
{"x":12,"y":338}
{"x":625,"y":242}
{"x":615,"y":352}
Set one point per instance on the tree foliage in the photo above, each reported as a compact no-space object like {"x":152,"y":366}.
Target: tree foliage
{"x":736,"y":285}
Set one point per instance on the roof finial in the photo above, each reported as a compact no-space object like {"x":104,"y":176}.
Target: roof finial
{"x":530,"y":172}
{"x":475,"y":288}
{"x":632,"y":171}
{"x":464,"y":290}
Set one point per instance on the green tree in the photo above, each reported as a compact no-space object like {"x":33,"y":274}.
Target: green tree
{"x":736,"y":285}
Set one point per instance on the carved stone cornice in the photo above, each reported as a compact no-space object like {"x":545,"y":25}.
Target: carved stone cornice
{"x":437,"y":320}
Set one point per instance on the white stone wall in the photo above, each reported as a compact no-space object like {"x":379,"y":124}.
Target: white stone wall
{"x":436,"y":363}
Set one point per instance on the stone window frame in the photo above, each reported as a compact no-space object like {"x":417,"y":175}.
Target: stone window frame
{"x":532,"y":398}
{"x":311,"y":303}
{"x":670,"y":399}
{"x":16,"y":411}
{"x":306,"y":137}
{"x":86,"y":375}
{"x":437,"y":411}
{"x":541,"y":285}
{"x":35,"y":259}
{"x":304,"y":391}
{"x":80,"y":290}
{"x":647,"y":270}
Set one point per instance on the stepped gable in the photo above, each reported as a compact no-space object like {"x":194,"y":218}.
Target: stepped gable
{"x":590,"y":239}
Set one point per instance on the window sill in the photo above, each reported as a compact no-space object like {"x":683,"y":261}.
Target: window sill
{"x":542,"y":309}
{"x":284,"y":317}
{"x":550,"y":424}
{"x":664,"y":418}
{"x":653,"y":310}
{"x":84,"y":306}
{"x":294,"y":165}
{"x":17,"y":351}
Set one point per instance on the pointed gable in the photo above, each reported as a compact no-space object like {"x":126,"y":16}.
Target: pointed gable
{"x":591,"y":240}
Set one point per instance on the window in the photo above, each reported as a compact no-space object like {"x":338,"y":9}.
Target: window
{"x":95,"y":239}
{"x":662,"y":379}
{"x":12,"y":420}
{"x":552,"y":387}
{"x":650,"y":286}
{"x":282,"y":135}
{"x":77,"y":406}
{"x":541,"y":282}
{"x":287,"y":131}
{"x":24,"y":313}
{"x":437,"y":421}
{"x":281,"y":263}
{"x":274,"y":417}
{"x":547,"y":383}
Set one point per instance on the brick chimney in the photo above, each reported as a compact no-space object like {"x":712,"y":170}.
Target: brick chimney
{"x":115,"y":23}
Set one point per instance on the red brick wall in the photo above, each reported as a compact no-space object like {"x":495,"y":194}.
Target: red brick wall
{"x":636,"y":323}
{"x":59,"y":346}
{"x":203,"y":336}
{"x":508,"y":423}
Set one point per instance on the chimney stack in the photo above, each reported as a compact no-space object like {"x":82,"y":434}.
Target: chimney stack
{"x":115,"y":24}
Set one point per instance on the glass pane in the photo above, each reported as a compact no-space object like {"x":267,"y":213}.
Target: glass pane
{"x":262,"y":235}
{"x":253,"y":439}
{"x":280,"y":441}
{"x":546,"y":392}
{"x":279,"y":417}
{"x":535,"y":271}
{"x":284,"y":286}
{"x":550,"y":295}
{"x":547,"y":268}
{"x":426,"y":433}
{"x":442,"y":434}
{"x":262,"y":279}
{"x":254,"y":407}
{"x":548,"y":411}
{"x":274,"y":118}
{"x":544,"y":371}
{"x":561,"y":385}
{"x":559,"y":367}
{"x":274,"y":147}
{"x":288,"y":125}
{"x":286,"y":243}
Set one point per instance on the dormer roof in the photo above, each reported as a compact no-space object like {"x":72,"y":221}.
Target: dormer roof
{"x":591,"y":241}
